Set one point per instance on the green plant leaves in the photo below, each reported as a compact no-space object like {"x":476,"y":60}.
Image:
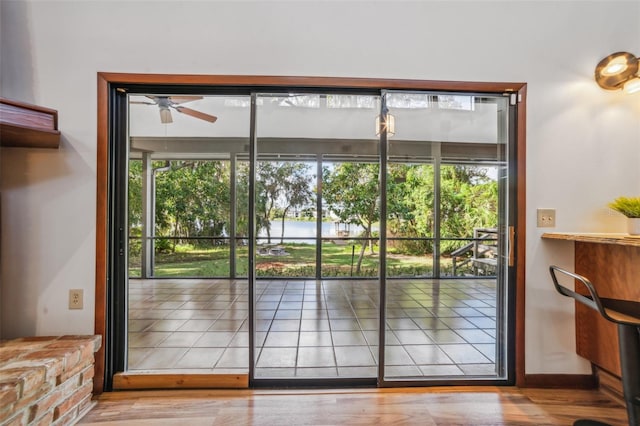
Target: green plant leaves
{"x":628,"y":206}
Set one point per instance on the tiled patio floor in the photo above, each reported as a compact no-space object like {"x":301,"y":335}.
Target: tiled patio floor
{"x":308,"y":328}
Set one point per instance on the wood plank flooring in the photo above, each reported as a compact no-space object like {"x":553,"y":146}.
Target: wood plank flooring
{"x":403,"y":406}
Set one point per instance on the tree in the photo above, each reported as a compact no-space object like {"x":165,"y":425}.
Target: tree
{"x":280,"y":186}
{"x":242,"y":199}
{"x":410,"y":206}
{"x":350,"y":191}
{"x":269,"y":178}
{"x":192,"y":199}
{"x":468,"y":200}
{"x":135,"y":194}
{"x":296,"y":189}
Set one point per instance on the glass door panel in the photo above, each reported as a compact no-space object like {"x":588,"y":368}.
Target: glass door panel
{"x":187,"y":287}
{"x":350,"y":231}
{"x":446,"y":207}
{"x":240,"y":259}
{"x":313,"y":319}
{"x":285,"y":218}
{"x":410,"y":214}
{"x":469,"y":220}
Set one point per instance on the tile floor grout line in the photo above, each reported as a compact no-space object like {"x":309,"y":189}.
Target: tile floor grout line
{"x":362,"y":297}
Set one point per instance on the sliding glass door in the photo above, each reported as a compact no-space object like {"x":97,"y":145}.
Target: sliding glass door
{"x":315,"y":286}
{"x":446,"y":203}
{"x":315,"y":237}
{"x":187,"y":210}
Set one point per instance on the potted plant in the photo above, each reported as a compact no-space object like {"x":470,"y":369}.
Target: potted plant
{"x":630,"y":207}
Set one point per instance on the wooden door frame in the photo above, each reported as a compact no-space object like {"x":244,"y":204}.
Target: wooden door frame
{"x":108,"y":80}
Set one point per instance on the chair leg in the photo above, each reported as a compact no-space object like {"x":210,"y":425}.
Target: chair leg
{"x":629,"y":339}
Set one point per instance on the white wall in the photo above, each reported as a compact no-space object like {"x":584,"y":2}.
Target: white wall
{"x":583,"y":142}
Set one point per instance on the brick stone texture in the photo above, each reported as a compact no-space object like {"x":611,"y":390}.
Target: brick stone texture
{"x":46,"y":380}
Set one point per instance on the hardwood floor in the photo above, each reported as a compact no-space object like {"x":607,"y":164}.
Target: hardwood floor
{"x":419,"y":406}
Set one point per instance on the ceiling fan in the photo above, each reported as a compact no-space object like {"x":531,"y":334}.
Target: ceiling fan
{"x":166,"y":103}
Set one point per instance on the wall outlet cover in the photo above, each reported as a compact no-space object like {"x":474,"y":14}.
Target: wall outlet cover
{"x":76,"y":298}
{"x":546,"y":218}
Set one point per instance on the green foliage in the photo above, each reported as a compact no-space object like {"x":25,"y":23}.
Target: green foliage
{"x":350,"y":191}
{"x":164,"y":245}
{"x":193,"y":262}
{"x":193,"y":200}
{"x":242,"y":199}
{"x":468,"y":200}
{"x":268,"y":189}
{"x":135,"y":195}
{"x":409,"y":271}
{"x":410,"y":206}
{"x":190,"y":261}
{"x":280,"y":186}
{"x":628,"y":206}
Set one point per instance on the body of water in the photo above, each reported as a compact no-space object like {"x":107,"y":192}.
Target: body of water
{"x":303,"y":229}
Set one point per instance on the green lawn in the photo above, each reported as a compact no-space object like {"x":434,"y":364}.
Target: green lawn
{"x":298,"y":262}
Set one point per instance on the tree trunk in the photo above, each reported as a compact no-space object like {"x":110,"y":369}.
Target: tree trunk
{"x":268,"y":227}
{"x":361,"y":256}
{"x":369,"y":240}
{"x":268,"y":222}
{"x":362,"y":249}
{"x":284,"y":214}
{"x":175,"y":234}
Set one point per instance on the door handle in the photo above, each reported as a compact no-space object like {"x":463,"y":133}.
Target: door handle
{"x":512,"y":237}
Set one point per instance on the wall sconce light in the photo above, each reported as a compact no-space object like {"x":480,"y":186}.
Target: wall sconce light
{"x":619,"y":71}
{"x":388,"y":121}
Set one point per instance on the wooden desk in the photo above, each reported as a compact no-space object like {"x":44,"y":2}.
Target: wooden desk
{"x":612,"y":263}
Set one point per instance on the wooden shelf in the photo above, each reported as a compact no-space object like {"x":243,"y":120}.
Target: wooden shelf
{"x":28,"y":126}
{"x":600,"y":238}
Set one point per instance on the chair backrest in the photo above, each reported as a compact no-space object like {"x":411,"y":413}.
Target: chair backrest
{"x":592,"y":301}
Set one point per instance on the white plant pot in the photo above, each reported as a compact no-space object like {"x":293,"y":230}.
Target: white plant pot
{"x":633,"y":225}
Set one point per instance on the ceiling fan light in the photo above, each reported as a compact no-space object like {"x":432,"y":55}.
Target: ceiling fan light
{"x":165,"y":115}
{"x":632,"y":86}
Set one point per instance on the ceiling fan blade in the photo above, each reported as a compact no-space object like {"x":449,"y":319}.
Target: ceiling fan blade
{"x":183,"y":99}
{"x":196,"y":114}
{"x":141,"y":103}
{"x":165,"y":116}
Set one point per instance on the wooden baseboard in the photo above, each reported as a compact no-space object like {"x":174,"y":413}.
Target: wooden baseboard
{"x":156,"y":380}
{"x":560,"y":381}
{"x":610,"y":385}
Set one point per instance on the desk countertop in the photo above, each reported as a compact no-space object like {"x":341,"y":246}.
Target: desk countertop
{"x":602,"y":238}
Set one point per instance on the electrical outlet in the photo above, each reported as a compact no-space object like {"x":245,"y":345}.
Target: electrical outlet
{"x":546,"y":218}
{"x":75,"y":299}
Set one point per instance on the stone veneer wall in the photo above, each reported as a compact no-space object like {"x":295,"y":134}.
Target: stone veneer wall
{"x":46,"y":380}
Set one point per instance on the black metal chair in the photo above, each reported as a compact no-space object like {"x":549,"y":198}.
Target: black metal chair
{"x":626,"y":314}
